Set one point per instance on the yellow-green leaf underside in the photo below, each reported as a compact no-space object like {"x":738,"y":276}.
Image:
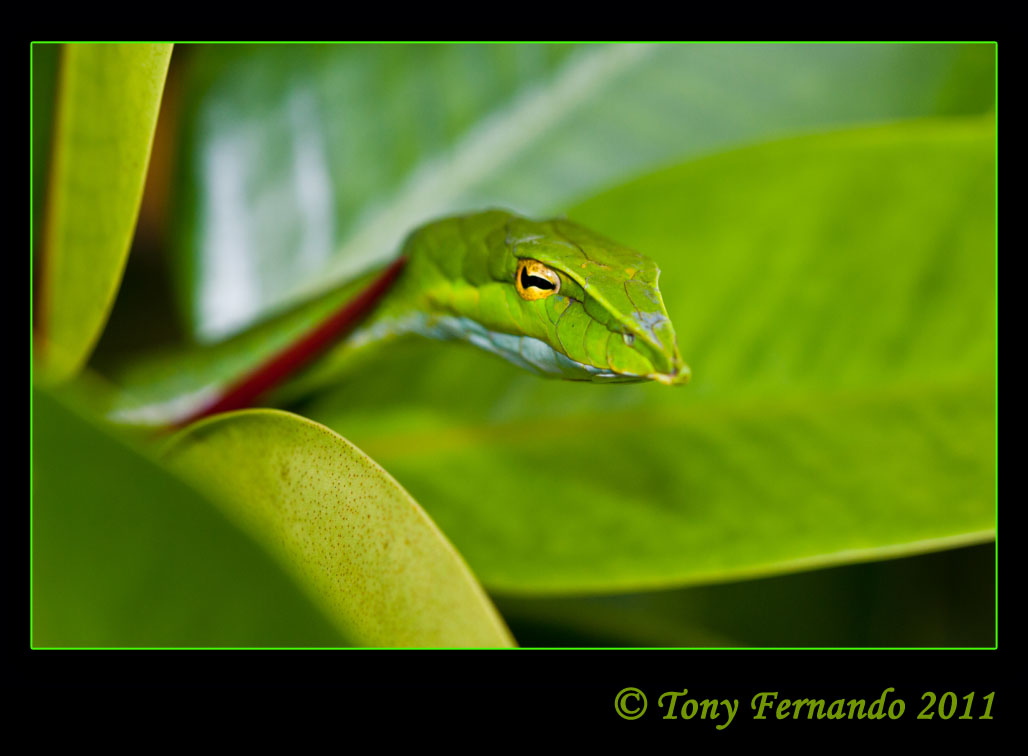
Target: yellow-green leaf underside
{"x":108,"y":97}
{"x":368,"y":554}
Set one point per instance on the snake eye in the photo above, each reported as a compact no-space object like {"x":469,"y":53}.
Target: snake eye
{"x":535,"y":281}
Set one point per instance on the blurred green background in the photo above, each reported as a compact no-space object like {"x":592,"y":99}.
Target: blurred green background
{"x":824,"y":218}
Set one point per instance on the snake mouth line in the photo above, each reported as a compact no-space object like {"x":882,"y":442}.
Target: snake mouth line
{"x":675,"y":377}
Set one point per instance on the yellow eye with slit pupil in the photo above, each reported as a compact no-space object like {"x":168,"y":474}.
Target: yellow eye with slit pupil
{"x":535,"y":281}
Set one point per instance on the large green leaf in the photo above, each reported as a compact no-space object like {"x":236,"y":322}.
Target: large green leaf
{"x":303,"y":165}
{"x":108,"y":97}
{"x":835,"y":298}
{"x":125,"y":554}
{"x":366,"y":551}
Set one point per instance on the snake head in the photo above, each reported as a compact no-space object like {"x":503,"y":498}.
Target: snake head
{"x":549,"y":296}
{"x":600,"y":299}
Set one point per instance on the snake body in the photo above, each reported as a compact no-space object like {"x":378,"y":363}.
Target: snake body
{"x":550,"y":296}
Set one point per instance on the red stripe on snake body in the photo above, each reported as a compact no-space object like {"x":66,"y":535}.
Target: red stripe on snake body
{"x":280,"y":366}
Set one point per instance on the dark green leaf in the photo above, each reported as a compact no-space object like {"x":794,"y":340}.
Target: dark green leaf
{"x":125,"y":554}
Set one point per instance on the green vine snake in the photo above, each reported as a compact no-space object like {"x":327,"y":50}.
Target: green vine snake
{"x":550,"y":296}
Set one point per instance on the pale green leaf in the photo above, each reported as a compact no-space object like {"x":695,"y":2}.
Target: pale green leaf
{"x":108,"y":97}
{"x":303,"y":165}
{"x":365,"y":550}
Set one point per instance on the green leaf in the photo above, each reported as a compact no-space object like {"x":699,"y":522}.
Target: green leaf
{"x":303,"y":165}
{"x":835,"y":298}
{"x":367,"y":552}
{"x":125,"y":554}
{"x":107,"y":102}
